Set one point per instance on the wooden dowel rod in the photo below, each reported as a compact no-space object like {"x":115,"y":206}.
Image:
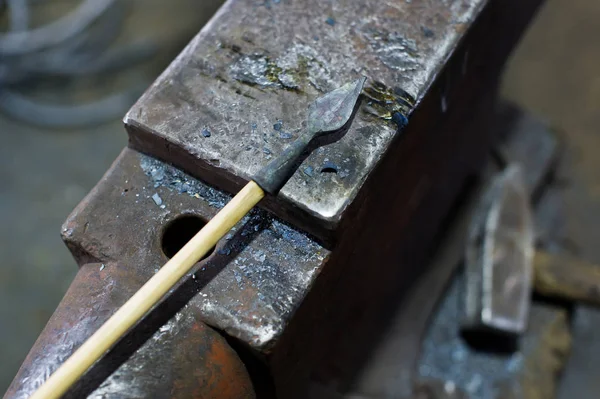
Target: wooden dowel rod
{"x":150,"y":293}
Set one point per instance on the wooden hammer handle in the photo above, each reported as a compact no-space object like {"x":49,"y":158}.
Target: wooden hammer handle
{"x":566,"y":277}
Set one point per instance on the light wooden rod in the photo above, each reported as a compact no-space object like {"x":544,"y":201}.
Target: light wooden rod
{"x":150,"y":294}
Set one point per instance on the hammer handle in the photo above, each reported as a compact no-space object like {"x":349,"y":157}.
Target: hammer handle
{"x":566,"y":277}
{"x":150,"y":294}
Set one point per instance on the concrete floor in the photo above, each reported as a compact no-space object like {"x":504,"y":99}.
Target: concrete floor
{"x":46,"y":173}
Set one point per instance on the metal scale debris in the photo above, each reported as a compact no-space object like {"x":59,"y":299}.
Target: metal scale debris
{"x":273,"y":310}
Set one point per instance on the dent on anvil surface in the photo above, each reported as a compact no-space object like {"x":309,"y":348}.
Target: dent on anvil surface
{"x":251,"y":284}
{"x":238,"y":94}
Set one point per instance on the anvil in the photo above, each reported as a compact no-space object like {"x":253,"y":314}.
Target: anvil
{"x":278,"y":301}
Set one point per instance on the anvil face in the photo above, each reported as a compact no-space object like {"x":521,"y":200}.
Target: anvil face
{"x":238,"y":94}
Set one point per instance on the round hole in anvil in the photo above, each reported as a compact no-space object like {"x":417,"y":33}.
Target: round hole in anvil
{"x":179,"y":231}
{"x":329,"y":169}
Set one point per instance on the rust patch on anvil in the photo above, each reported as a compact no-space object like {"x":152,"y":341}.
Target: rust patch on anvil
{"x":249,"y":286}
{"x":238,"y":94}
{"x":168,"y":355}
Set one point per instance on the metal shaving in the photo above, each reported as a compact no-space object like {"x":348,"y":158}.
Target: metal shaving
{"x":157,"y":200}
{"x":164,"y":175}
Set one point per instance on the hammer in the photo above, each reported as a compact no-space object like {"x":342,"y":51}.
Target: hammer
{"x":503,"y":267}
{"x":329,"y":117}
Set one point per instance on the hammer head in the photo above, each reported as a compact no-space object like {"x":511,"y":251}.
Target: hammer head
{"x":499,"y":257}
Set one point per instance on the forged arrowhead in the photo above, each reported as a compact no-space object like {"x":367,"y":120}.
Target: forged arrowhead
{"x":327,"y":115}
{"x":333,"y":110}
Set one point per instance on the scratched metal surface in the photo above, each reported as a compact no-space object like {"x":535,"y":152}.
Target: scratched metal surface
{"x":172,"y":354}
{"x":249,"y":286}
{"x":238,"y":93}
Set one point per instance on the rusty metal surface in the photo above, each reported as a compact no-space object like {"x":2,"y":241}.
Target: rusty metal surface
{"x":252,"y":285}
{"x":402,"y":206}
{"x":248,"y":287}
{"x":253,"y":281}
{"x":172,"y":354}
{"x":237,"y":94}
{"x":253,"y":300}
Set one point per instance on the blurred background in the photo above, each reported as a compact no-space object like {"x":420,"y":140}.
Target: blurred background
{"x":60,"y":126}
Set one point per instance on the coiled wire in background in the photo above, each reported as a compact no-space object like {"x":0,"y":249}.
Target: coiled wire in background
{"x":77,"y":45}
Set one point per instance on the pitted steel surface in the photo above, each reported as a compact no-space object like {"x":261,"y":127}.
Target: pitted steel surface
{"x":234,"y":99}
{"x":237,"y":95}
{"x":250,"y":285}
{"x":171,"y":354}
